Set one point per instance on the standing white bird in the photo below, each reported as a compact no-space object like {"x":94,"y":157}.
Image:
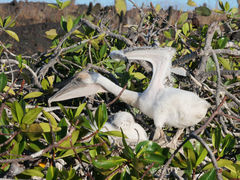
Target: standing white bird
{"x":165,"y":105}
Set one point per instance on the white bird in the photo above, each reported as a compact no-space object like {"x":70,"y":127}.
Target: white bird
{"x":125,"y":121}
{"x":165,"y":105}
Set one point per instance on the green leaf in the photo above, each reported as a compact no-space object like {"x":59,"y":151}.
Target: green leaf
{"x":9,"y":90}
{"x":32,"y":128}
{"x":52,"y":173}
{"x":46,"y":127}
{"x":3,"y":81}
{"x":103,"y":50}
{"x":85,"y":123}
{"x":227,"y":144}
{"x":20,"y":60}
{"x":170,"y":43}
{"x":185,"y":28}
{"x":94,"y":43}
{"x":4,"y":120}
{"x":138,"y":75}
{"x":33,"y":131}
{"x":101,"y":115}
{"x":167,"y":34}
{"x":51,"y":34}
{"x":31,"y":115}
{"x":76,"y":21}
{"x":127,"y":151}
{"x":6,"y":21}
{"x":63,"y":24}
{"x":73,"y":138}
{"x":33,"y":95}
{"x":53,"y":6}
{"x":17,"y":112}
{"x":108,"y":163}
{"x":225,"y":63}
{"x":1,"y":22}
{"x":15,"y":150}
{"x":216,"y":138}
{"x":220,"y":163}
{"x":227,"y":6}
{"x":50,"y":118}
{"x":222,"y":42}
{"x":191,"y":3}
{"x":147,"y":146}
{"x":158,"y":8}
{"x":12,"y":34}
{"x":79,"y":110}
{"x":218,"y":11}
{"x":59,"y":3}
{"x":65,"y":4}
{"x":183,"y":18}
{"x":191,"y":156}
{"x":33,"y":172}
{"x":203,"y":11}
{"x":201,"y":157}
{"x":209,"y":175}
{"x":179,"y":161}
{"x":120,"y":6}
{"x":153,"y":157}
{"x":234,"y":10}
{"x":234,"y":170}
{"x":69,"y":24}
{"x":45,"y":84}
{"x":75,"y":49}
{"x":113,"y":133}
{"x":221,"y":5}
{"x":70,"y":152}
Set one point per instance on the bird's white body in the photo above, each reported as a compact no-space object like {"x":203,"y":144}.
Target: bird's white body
{"x":125,"y":121}
{"x":165,"y":105}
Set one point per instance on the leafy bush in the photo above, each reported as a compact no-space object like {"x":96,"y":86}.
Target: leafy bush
{"x":66,"y":141}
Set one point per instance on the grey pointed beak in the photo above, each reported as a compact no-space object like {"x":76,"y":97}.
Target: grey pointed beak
{"x":70,"y":91}
{"x":75,"y":89}
{"x":118,"y":55}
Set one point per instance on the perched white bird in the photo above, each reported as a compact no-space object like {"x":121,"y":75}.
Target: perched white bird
{"x":165,"y":105}
{"x":125,"y":121}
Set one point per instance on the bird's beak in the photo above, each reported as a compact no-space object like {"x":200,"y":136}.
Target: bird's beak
{"x":76,"y":88}
{"x":118,"y":55}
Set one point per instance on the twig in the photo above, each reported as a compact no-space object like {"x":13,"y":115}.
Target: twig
{"x":211,"y":30}
{"x":218,"y":79}
{"x":10,"y":139}
{"x":229,"y":116}
{"x":116,"y":98}
{"x":214,"y":161}
{"x":148,"y":169}
{"x":216,"y":112}
{"x":36,"y":82}
{"x":39,"y":153}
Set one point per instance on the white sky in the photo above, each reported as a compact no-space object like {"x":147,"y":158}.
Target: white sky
{"x":179,"y":4}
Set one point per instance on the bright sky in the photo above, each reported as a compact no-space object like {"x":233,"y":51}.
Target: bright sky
{"x":179,"y":4}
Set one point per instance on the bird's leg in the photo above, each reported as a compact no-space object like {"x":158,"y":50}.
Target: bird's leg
{"x":176,"y":136}
{"x":159,"y":136}
{"x":173,"y":143}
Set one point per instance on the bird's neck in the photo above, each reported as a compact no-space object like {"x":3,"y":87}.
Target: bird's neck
{"x":129,"y":97}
